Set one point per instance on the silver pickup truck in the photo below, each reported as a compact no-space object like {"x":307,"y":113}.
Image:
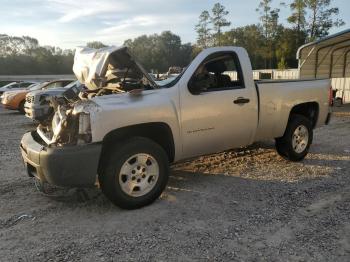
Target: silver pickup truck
{"x":124,"y":133}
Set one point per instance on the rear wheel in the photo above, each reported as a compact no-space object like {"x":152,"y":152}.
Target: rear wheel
{"x":135,"y":174}
{"x":296,"y":141}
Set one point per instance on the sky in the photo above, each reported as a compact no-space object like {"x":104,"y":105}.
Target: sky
{"x":70,"y":23}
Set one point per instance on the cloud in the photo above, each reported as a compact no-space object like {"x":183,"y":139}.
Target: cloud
{"x":135,"y":22}
{"x":116,"y":32}
{"x":73,"y":10}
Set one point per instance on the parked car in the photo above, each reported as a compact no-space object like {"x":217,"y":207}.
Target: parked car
{"x":16,"y":86}
{"x":126,"y":137}
{"x":14,"y":100}
{"x":37,"y":106}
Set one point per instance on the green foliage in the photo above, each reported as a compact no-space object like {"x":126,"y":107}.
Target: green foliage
{"x":203,"y":30}
{"x":23,"y":55}
{"x":159,"y":52}
{"x":270,"y":24}
{"x":321,"y":18}
{"x":250,"y":37}
{"x":282,"y":64}
{"x":209,"y":23}
{"x":219,"y":21}
{"x":95,"y":44}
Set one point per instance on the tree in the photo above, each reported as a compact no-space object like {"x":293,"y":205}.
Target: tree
{"x":322,"y":18}
{"x":264,"y":10}
{"x":286,"y":48}
{"x":219,"y":21}
{"x":269,"y":20}
{"x":250,"y":37}
{"x":95,"y":44}
{"x":297,"y":19}
{"x":23,"y":55}
{"x":203,"y":30}
{"x":159,"y":52}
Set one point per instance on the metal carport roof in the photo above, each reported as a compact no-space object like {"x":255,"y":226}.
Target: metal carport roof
{"x":326,"y":58}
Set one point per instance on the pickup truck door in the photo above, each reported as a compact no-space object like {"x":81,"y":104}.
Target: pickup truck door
{"x":219,"y":118}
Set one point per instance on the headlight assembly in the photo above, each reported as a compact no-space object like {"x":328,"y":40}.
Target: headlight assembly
{"x":84,"y":133}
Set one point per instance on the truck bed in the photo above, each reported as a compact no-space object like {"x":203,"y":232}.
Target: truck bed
{"x":278,"y":97}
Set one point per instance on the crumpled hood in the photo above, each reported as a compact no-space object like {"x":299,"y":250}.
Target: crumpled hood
{"x":92,"y":67}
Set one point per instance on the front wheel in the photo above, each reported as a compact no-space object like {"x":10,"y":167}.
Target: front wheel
{"x":135,"y":173}
{"x":296,"y":141}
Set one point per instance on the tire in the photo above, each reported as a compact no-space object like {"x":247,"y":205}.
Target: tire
{"x":21,"y":107}
{"x":297,"y":150}
{"x":126,"y":178}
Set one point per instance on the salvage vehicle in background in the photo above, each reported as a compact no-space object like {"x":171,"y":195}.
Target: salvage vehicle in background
{"x":15,"y":86}
{"x":127,"y":130}
{"x":14,"y":100}
{"x":37,"y":105}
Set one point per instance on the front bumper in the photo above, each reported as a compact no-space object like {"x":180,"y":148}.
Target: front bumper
{"x":71,"y":166}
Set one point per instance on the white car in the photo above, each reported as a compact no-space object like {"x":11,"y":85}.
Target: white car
{"x":15,"y":86}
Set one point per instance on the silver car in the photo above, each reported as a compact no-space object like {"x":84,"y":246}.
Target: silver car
{"x":37,"y":105}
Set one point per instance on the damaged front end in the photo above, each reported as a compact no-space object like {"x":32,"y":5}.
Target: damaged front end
{"x":62,"y":151}
{"x":105,"y":71}
{"x":70,"y":124}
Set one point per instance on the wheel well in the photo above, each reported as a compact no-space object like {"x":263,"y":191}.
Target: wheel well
{"x":21,"y":101}
{"x":158,"y":132}
{"x":310,"y":110}
{"x":20,"y":105}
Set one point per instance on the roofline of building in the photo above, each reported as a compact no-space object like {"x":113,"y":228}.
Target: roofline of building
{"x":321,"y":40}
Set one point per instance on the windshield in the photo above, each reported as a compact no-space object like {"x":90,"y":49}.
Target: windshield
{"x":165,"y":81}
{"x":172,"y":80}
{"x":38,"y":86}
{"x":75,"y":83}
{"x":8,"y":85}
{"x":32,"y":85}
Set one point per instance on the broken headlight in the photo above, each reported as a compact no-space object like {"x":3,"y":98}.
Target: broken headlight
{"x":84,"y":130}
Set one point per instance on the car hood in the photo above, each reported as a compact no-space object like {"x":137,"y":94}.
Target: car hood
{"x":92,"y":66}
{"x":17,"y":91}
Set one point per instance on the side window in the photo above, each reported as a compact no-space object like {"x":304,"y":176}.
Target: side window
{"x":66,"y":83}
{"x":59,"y":84}
{"x":52,"y":85}
{"x":25,"y":84}
{"x":14,"y":86}
{"x":220,"y":71}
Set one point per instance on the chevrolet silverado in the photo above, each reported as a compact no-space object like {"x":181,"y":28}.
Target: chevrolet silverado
{"x":123,"y":133}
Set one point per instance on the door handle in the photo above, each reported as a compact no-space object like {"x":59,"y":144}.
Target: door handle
{"x":241,"y":100}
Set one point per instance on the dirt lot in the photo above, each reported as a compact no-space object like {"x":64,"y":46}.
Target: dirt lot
{"x":242,"y":205}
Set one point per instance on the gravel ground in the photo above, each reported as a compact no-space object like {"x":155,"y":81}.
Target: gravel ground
{"x":241,"y":205}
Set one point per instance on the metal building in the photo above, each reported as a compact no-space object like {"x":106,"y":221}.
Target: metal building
{"x":328,"y":58}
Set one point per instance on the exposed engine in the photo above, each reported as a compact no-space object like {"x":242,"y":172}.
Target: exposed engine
{"x":103,"y":72}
